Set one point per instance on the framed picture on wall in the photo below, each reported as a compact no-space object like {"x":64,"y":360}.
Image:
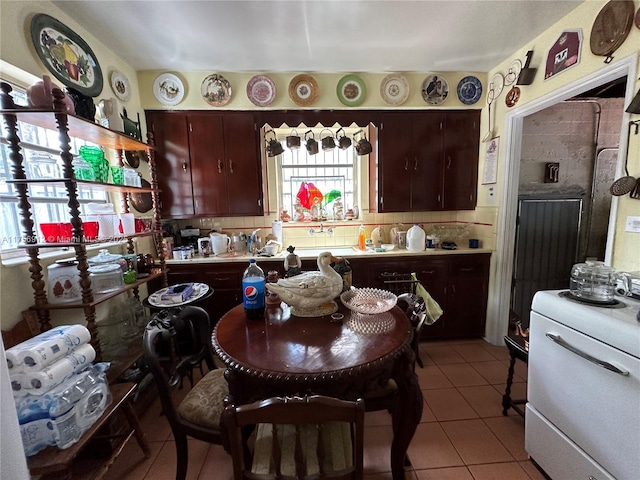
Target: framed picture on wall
{"x":564,"y":53}
{"x":490,"y":173}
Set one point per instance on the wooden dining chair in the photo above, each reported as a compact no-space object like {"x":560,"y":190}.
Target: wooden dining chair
{"x":311,"y":437}
{"x":198,"y":414}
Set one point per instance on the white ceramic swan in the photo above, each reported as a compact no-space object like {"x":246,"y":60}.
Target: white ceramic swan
{"x":311,"y":294}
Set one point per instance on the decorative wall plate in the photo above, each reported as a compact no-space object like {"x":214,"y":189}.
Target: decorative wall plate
{"x":394,"y":89}
{"x":120,"y":85}
{"x":513,"y":72}
{"x":303,"y":90}
{"x":261,"y":90}
{"x":469,"y":90}
{"x":216,"y":90}
{"x":435,"y":89}
{"x":611,"y":27}
{"x":168,"y":89}
{"x":66,"y":55}
{"x":351,"y":90}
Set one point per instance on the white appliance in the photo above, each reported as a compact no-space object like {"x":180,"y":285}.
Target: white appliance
{"x":583,"y":415}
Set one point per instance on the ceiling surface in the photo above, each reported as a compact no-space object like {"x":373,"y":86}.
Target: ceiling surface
{"x":316,"y":36}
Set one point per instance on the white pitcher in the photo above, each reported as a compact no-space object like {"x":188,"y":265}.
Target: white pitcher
{"x":220,"y":243}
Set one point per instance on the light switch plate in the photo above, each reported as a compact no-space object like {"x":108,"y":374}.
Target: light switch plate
{"x":632,"y":224}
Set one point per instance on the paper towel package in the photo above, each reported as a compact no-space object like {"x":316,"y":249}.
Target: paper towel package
{"x":45,"y":348}
{"x":178,"y":293}
{"x":39,"y":382}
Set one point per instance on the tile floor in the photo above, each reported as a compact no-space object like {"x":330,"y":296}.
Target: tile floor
{"x":462,"y":435}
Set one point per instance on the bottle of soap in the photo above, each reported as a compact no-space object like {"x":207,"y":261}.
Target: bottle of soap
{"x":362,"y":238}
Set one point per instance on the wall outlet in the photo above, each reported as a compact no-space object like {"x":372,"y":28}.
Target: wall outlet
{"x":632,"y":224}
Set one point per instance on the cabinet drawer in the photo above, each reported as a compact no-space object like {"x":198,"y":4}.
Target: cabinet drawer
{"x":558,"y":456}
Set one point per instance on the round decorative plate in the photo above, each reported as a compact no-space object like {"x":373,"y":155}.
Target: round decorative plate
{"x":512,"y":96}
{"x":469,"y":90}
{"x":394,"y":89}
{"x":66,"y":55}
{"x":303,"y":90}
{"x":513,"y":72}
{"x":168,"y":89}
{"x":216,"y":90}
{"x":435,"y":89}
{"x":351,"y":90}
{"x":495,"y":87}
{"x":199,"y":291}
{"x":261,"y":90}
{"x":611,"y":28}
{"x":120,"y":85}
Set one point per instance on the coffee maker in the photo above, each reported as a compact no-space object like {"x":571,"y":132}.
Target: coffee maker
{"x":189,"y":237}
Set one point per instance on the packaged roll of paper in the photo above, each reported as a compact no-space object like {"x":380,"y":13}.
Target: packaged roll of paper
{"x":47,"y":347}
{"x":12,"y":361}
{"x":19,"y":383}
{"x":42,"y":381}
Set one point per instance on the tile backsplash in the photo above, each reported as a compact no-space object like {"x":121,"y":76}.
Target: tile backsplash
{"x":482,"y":225}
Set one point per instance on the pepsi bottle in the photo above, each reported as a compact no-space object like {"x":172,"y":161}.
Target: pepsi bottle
{"x":253,"y":297}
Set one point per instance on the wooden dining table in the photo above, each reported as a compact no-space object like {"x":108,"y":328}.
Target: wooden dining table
{"x":347,"y":358}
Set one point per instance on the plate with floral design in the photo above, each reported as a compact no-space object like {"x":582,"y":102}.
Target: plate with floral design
{"x":261,"y":90}
{"x":66,"y":55}
{"x":120,"y":85}
{"x":168,"y":89}
{"x":469,"y":90}
{"x":216,"y":90}
{"x":351,"y":90}
{"x":394,"y":89}
{"x":303,"y":90}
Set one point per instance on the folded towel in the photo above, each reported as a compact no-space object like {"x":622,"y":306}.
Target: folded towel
{"x":434,"y":311}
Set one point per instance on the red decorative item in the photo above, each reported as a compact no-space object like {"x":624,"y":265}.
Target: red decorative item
{"x":564,"y":53}
{"x":307,"y":195}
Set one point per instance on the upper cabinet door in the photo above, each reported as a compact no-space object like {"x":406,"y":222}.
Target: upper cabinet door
{"x":209,"y":165}
{"x":426,"y":166}
{"x":173,"y":162}
{"x":242,"y":160}
{"x":461,"y":150}
{"x":396,"y":161}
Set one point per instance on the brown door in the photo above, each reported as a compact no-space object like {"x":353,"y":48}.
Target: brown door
{"x":173,"y":163}
{"x":461,"y":145}
{"x":396,"y":154}
{"x":426,"y":173}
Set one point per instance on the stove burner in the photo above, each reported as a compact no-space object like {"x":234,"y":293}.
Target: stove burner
{"x":595,"y":303}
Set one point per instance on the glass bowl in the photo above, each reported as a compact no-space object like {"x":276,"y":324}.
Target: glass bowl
{"x":368,"y":301}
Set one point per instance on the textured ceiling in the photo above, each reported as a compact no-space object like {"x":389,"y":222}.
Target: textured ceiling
{"x":316,"y":36}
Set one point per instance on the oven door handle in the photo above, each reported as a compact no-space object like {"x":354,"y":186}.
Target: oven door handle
{"x":586,"y":356}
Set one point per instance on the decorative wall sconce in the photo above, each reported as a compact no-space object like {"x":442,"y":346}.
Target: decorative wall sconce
{"x":274,"y":147}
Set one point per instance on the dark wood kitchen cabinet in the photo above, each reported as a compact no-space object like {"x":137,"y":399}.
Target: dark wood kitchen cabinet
{"x":208,"y":163}
{"x":428,"y":160}
{"x":459,"y":283}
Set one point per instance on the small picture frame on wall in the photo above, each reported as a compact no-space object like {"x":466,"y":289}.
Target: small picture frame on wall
{"x":564,"y":53}
{"x":490,"y":173}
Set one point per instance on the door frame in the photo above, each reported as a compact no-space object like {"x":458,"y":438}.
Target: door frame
{"x":509,"y":171}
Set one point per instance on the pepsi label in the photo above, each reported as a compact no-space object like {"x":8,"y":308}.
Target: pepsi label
{"x":253,"y":292}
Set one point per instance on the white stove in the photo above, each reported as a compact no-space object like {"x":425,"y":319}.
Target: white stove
{"x":583,"y":415}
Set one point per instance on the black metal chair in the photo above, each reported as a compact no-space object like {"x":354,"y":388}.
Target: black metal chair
{"x":198,"y":415}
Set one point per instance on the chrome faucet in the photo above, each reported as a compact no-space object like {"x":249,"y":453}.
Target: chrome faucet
{"x":328,"y":231}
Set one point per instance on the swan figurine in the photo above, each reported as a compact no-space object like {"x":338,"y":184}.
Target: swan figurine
{"x":311,"y":294}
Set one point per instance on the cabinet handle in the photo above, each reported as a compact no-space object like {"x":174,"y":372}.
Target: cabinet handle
{"x":448,"y":162}
{"x":601,"y":363}
{"x":453,"y":288}
{"x":406,"y":163}
{"x":415,"y":164}
{"x":219,"y":166}
{"x":467,"y":269}
{"x":230,"y":166}
{"x":428,"y":272}
{"x":184,"y":166}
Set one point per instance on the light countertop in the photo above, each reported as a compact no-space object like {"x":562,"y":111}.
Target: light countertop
{"x":311,"y":253}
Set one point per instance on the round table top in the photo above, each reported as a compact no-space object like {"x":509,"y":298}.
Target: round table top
{"x":283,"y":344}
